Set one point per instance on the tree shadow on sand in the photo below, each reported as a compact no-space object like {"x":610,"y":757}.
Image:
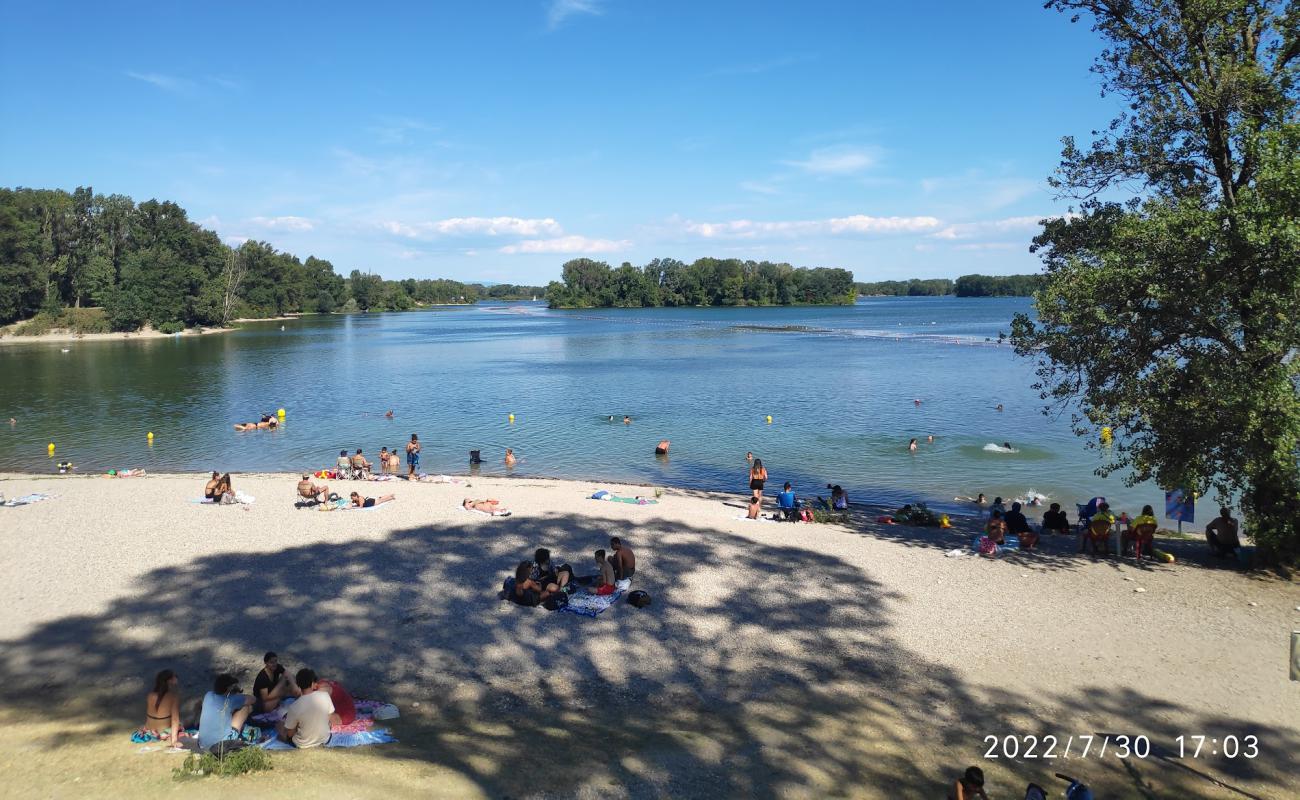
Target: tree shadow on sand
{"x":775,"y":677}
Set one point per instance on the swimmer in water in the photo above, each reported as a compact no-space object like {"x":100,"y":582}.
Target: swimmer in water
{"x":610,"y":418}
{"x":912,"y":445}
{"x":661,"y":449}
{"x":1007,"y":445}
{"x":916,"y":401}
{"x":627,"y":420}
{"x":749,"y":457}
{"x":999,"y":406}
{"x":389,"y":415}
{"x":510,"y":457}
{"x":929,"y":439}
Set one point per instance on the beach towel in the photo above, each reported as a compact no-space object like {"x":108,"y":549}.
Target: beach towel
{"x":27,"y":500}
{"x":610,"y":496}
{"x":590,"y":605}
{"x":358,"y":739}
{"x":504,"y":513}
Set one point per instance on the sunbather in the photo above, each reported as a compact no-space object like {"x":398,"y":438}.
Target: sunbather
{"x":488,"y":506}
{"x":310,"y":491}
{"x":369,"y":502}
{"x":162,"y":707}
{"x":360,"y":464}
{"x":210,"y":490}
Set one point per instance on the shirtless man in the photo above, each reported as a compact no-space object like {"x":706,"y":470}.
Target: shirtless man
{"x":623,"y":560}
{"x":510,"y":457}
{"x":310,"y":491}
{"x":661,"y":449}
{"x":360,"y":463}
{"x":488,"y":506}
{"x":1221,"y":534}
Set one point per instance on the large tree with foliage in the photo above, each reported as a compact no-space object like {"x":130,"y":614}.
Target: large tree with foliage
{"x":1171,"y":314}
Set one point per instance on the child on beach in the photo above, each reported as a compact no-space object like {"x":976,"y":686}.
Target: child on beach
{"x":605,"y":578}
{"x":755,"y":506}
{"x":412,"y":456}
{"x":996,"y":529}
{"x":969,"y":786}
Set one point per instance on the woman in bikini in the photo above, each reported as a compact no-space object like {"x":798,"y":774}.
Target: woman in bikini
{"x":369,"y":502}
{"x":162,"y":707}
{"x":757,"y":477}
{"x":488,"y":506}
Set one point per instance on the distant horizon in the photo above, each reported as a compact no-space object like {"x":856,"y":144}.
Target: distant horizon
{"x":499,"y":140}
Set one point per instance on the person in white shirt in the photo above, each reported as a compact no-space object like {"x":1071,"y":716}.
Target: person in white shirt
{"x":307,"y":721}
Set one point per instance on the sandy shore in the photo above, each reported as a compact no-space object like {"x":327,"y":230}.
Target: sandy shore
{"x":62,"y":336}
{"x":777,"y":660}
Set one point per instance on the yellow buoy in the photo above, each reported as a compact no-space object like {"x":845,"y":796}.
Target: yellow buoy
{"x":50,"y":449}
{"x":151,"y":436}
{"x":1106,"y":434}
{"x":280,"y":413}
{"x":943,"y":522}
{"x":512,"y":417}
{"x":769,"y":419}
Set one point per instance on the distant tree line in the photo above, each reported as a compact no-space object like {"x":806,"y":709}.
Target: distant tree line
{"x":705,"y":282}
{"x":965,"y":286}
{"x":148,"y":263}
{"x":508,"y":291}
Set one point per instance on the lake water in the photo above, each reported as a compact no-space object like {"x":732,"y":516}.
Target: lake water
{"x":839,"y":384}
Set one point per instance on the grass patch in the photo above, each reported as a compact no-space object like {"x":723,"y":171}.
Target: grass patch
{"x":74,"y":320}
{"x":240,"y":762}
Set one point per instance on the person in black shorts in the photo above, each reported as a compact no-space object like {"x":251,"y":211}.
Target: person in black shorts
{"x":757,"y":477}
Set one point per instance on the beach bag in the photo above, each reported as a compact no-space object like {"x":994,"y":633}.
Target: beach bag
{"x":806,"y":514}
{"x":988,"y":547}
{"x":639,"y":599}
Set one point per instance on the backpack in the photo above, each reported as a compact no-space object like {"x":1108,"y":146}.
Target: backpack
{"x":987,"y":546}
{"x":806,"y":514}
{"x":639,"y":599}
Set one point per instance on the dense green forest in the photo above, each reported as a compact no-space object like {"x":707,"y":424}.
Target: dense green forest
{"x":706,"y":282}
{"x":64,"y":256}
{"x":965,"y":286}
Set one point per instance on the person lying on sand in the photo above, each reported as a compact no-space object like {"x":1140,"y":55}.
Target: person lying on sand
{"x":310,"y":491}
{"x":126,"y":473}
{"x":623,"y":560}
{"x":162,"y":707}
{"x":369,"y":502}
{"x":529,"y":592}
{"x":488,"y":506}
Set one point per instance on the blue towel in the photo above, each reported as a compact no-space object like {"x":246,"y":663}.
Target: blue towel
{"x":358,"y":739}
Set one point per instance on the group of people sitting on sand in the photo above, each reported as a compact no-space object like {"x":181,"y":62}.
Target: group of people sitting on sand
{"x":540,"y":581}
{"x":317,"y":706}
{"x":310,"y":492}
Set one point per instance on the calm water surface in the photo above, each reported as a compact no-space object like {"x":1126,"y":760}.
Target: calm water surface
{"x":839,"y":384}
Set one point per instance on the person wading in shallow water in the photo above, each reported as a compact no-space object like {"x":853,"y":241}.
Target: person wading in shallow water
{"x":412,"y":456}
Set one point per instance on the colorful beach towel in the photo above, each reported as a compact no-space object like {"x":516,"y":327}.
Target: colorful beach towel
{"x":358,"y":739}
{"x":602,"y":494}
{"x":590,"y":605}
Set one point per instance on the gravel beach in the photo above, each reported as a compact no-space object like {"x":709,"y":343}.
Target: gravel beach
{"x":777,"y":660}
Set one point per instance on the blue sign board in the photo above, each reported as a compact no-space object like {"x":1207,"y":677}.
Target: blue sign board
{"x":1180,"y":505}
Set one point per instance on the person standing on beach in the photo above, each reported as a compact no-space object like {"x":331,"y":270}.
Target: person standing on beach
{"x":757,"y":477}
{"x":412,"y":456}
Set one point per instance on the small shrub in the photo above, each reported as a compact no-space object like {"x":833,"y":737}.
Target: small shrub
{"x":834,"y":517}
{"x":240,"y":762}
{"x":38,"y":325}
{"x":171,"y":327}
{"x":84,"y":320}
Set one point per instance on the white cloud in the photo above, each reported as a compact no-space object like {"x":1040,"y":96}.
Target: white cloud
{"x":234,"y":241}
{"x":294,"y":224}
{"x":979,"y":246}
{"x":560,"y":10}
{"x":758,"y":187}
{"x":838,"y":160}
{"x":168,"y":83}
{"x":836,"y":226}
{"x":567,"y":244}
{"x":974,"y":230}
{"x":474,"y":226}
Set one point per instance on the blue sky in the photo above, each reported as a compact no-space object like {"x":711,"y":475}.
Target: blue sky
{"x":494,"y":141}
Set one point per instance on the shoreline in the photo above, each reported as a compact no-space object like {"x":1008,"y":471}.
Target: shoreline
{"x":64,"y":336}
